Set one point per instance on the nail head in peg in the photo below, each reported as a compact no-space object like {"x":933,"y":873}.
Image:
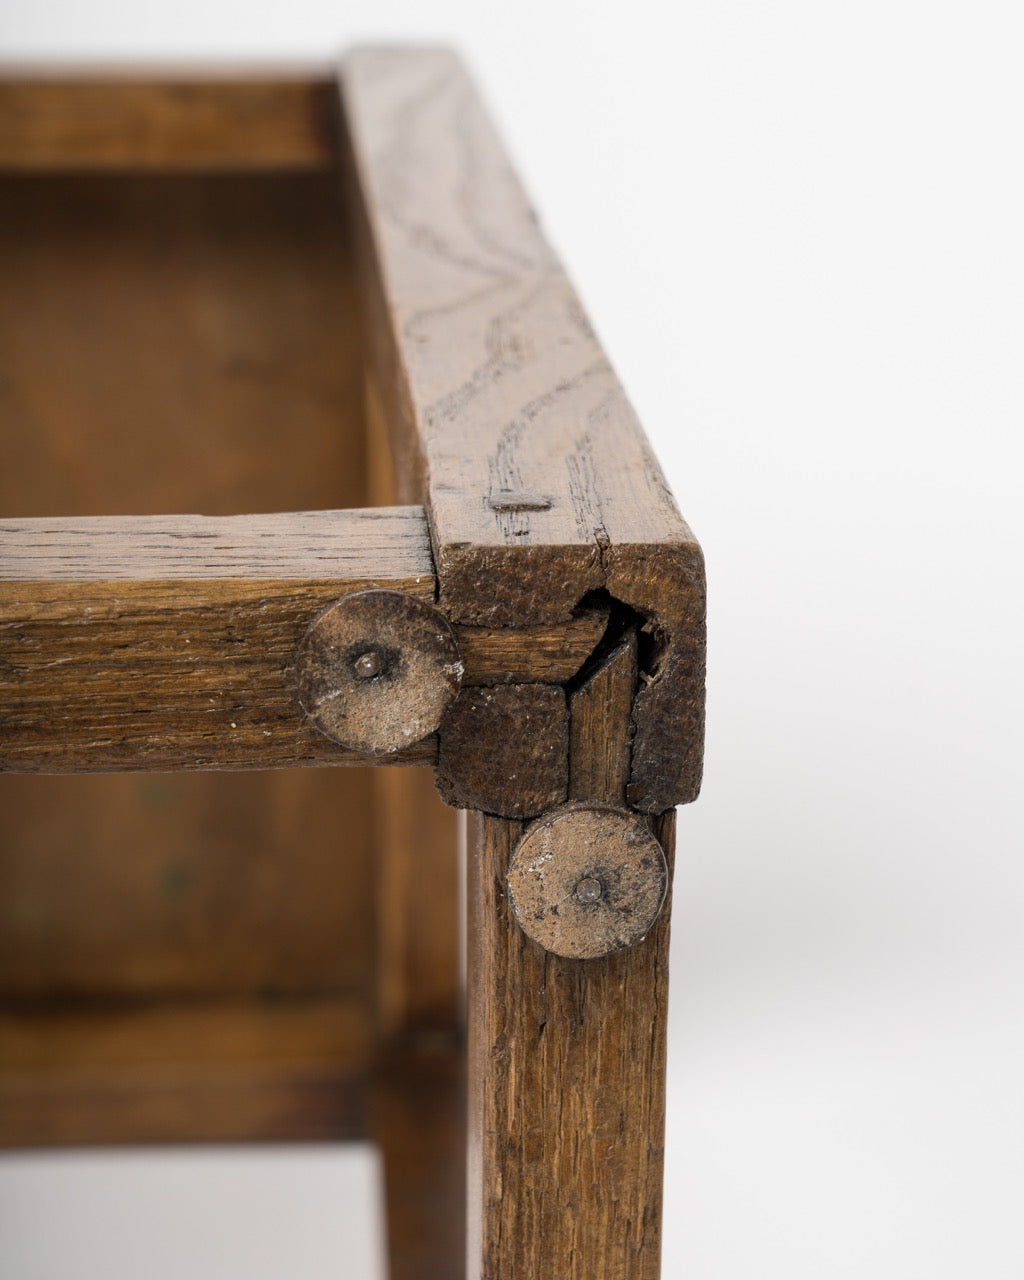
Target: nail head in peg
{"x":376,"y":670}
{"x":587,"y":880}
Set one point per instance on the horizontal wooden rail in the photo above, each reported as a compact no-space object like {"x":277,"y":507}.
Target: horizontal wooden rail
{"x":221,"y":122}
{"x":168,"y":642}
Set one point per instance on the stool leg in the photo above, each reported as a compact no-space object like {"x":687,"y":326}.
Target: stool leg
{"x":417,"y":1105}
{"x":566,"y":1091}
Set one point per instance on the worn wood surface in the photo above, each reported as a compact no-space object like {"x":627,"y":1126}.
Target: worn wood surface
{"x":121,"y":120}
{"x":418,"y":1112}
{"x":220,"y":1071}
{"x":539,"y":482}
{"x":504,"y":750}
{"x":566,"y":1057}
{"x":159,"y":642}
{"x":566,"y":1094}
{"x":548,"y":653}
{"x":598,"y":760}
{"x":179,"y":650}
{"x":587,"y":880}
{"x":377,"y":669}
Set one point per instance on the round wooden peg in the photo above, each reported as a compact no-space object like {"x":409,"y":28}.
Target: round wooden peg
{"x":377,"y":669}
{"x":587,"y":880}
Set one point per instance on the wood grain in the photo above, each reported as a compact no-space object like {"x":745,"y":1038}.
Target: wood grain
{"x":177,"y":342}
{"x":62,"y":120}
{"x":419,"y":1123}
{"x":157,"y":642}
{"x":599,"y":760}
{"x":494,"y":385}
{"x":548,"y":653}
{"x":566,"y":1057}
{"x":566,"y":1094}
{"x":216,"y":1072}
{"x":173,"y":653}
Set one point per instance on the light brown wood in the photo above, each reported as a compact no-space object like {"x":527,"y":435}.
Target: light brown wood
{"x":354,"y":548}
{"x":598,"y":760}
{"x":587,"y":880}
{"x":178,"y":649}
{"x":216,"y":1072}
{"x":59,"y":120}
{"x":566,"y":1093}
{"x":184,"y":342}
{"x":538,"y":480}
{"x":418,"y":1101}
{"x":220,"y":368}
{"x":175,"y":343}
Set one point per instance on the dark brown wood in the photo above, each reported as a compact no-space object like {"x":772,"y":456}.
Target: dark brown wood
{"x":418,"y":1110}
{"x":181,"y":342}
{"x":216,"y":1072}
{"x":64,"y":120}
{"x":495,"y":387}
{"x":504,"y":750}
{"x":159,"y":642}
{"x":415,"y":865}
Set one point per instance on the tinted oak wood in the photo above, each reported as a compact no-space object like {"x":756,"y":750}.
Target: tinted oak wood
{"x":176,"y":343}
{"x":507,"y":419}
{"x":177,"y":648}
{"x":217,"y":1072}
{"x":237,"y":121}
{"x":566,"y":1091}
{"x":566,"y":1057}
{"x":599,"y":760}
{"x":158,"y":642}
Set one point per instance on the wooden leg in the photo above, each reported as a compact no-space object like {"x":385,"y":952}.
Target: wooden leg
{"x":417,"y":1104}
{"x":566,"y":1091}
{"x":418,"y":1118}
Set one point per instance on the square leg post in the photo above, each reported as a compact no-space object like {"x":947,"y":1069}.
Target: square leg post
{"x":566,"y":1093}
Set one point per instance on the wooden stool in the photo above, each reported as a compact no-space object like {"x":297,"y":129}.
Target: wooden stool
{"x":241,"y":294}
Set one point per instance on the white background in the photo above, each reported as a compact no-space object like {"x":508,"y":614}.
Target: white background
{"x":798,"y":228}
